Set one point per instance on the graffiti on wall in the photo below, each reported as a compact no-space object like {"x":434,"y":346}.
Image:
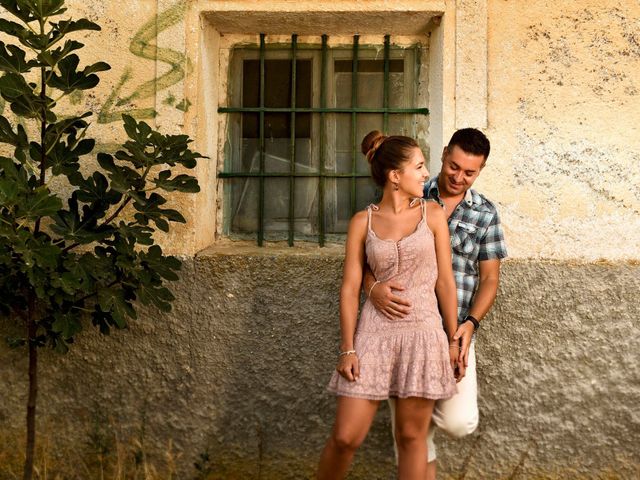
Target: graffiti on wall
{"x":144,"y":45}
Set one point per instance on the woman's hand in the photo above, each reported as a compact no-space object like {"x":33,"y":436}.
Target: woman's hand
{"x":349,"y":367}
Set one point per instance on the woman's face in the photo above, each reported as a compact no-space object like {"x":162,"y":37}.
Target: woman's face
{"x":413,"y":174}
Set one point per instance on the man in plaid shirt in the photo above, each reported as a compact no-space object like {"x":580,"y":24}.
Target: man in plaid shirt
{"x":477,"y":246}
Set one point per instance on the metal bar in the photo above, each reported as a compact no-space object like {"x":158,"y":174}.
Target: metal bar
{"x":385,"y":99}
{"x":390,"y":111}
{"x":288,"y":174}
{"x":262,"y":146}
{"x":294,"y":42}
{"x":323,"y":105}
{"x":354,"y":104}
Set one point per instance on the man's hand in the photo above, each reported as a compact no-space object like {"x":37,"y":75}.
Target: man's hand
{"x":388,"y":303}
{"x":463,"y":335}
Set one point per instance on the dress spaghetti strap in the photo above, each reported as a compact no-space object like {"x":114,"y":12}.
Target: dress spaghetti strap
{"x":370,"y":208}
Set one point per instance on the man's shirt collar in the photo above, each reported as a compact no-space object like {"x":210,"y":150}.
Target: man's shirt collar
{"x":471,"y":198}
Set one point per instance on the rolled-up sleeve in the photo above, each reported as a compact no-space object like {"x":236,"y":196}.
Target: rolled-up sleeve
{"x":492,"y":244}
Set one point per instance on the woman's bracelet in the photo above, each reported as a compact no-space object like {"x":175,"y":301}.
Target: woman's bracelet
{"x":454,"y":346}
{"x":347,"y":352}
{"x":371,"y":289}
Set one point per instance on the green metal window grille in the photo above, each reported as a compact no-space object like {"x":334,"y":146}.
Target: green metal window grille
{"x":322,"y":174}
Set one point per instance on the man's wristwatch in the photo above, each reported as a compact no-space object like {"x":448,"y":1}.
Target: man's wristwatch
{"x":472,"y":319}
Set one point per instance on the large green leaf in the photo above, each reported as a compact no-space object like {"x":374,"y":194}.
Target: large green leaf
{"x":77,"y":227}
{"x":13,"y":183}
{"x":137,"y":131}
{"x":63,"y":161}
{"x":13,"y":86}
{"x":42,"y":9}
{"x":12,"y":28}
{"x":24,"y":102}
{"x":52,"y":57}
{"x":9,"y":192}
{"x":95,"y":190}
{"x":18,"y":138}
{"x":161,"y":297}
{"x":22,"y":9}
{"x":180,"y":183}
{"x":112,"y":300}
{"x":13,"y":59}
{"x":123,"y":179}
{"x":37,"y":251}
{"x":139,"y":155}
{"x":66,"y":324}
{"x":71,"y":78}
{"x":69,"y":126}
{"x":30,"y":106}
{"x":67,"y":26}
{"x":39,"y":203}
{"x":27,"y":37}
{"x":150,"y":210}
{"x":165,"y":266}
{"x":142,"y":234}
{"x":84,"y":272}
{"x":168,"y":149}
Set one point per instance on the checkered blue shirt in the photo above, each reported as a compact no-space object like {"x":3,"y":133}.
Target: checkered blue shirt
{"x":476,"y":235}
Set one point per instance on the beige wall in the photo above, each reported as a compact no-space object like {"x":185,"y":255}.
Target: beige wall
{"x":554,"y":84}
{"x":564,"y":86}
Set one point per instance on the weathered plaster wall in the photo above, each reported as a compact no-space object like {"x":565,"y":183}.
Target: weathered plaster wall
{"x":561,"y":81}
{"x":238,"y":369}
{"x":564,"y":120}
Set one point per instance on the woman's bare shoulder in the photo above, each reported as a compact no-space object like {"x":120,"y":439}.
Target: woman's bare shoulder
{"x":360,"y":217}
{"x":359,"y":220}
{"x":434,"y":209}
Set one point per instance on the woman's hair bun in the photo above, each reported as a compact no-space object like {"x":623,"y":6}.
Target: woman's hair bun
{"x":371,"y":142}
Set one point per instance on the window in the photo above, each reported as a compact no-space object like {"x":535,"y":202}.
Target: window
{"x":293,"y":168}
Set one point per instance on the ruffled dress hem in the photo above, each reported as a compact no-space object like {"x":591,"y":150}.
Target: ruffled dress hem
{"x":427,"y":395}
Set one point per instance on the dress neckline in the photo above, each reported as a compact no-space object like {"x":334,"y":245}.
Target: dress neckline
{"x":390,"y":240}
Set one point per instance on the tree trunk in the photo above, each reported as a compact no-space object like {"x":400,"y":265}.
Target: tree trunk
{"x":32,"y":329}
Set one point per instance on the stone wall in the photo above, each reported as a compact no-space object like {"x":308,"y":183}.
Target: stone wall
{"x":236,"y":373}
{"x":239,"y":369}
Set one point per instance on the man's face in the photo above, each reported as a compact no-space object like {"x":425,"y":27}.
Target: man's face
{"x":459,"y":170}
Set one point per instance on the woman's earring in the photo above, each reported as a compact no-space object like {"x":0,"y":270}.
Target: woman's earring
{"x":395,"y":186}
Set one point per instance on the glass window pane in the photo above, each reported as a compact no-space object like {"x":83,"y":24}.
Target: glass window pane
{"x":243,"y":201}
{"x":278,"y":155}
{"x":306,"y":208}
{"x":277,"y":95}
{"x":338,"y":209}
{"x":276,"y":205}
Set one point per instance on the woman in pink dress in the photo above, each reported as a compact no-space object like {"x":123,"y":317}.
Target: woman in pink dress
{"x":412,"y":359}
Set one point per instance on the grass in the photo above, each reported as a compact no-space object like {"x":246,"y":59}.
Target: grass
{"x":105,"y":457}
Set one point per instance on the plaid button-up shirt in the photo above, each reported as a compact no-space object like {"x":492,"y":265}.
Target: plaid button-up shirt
{"x":476,"y":235}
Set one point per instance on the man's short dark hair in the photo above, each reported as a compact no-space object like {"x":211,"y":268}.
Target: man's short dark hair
{"x":471,"y":141}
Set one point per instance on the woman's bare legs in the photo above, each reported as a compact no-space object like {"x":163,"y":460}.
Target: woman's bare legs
{"x":413,"y":416}
{"x":353,"y":420}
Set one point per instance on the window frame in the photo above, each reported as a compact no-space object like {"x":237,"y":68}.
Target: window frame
{"x":327,"y":62}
